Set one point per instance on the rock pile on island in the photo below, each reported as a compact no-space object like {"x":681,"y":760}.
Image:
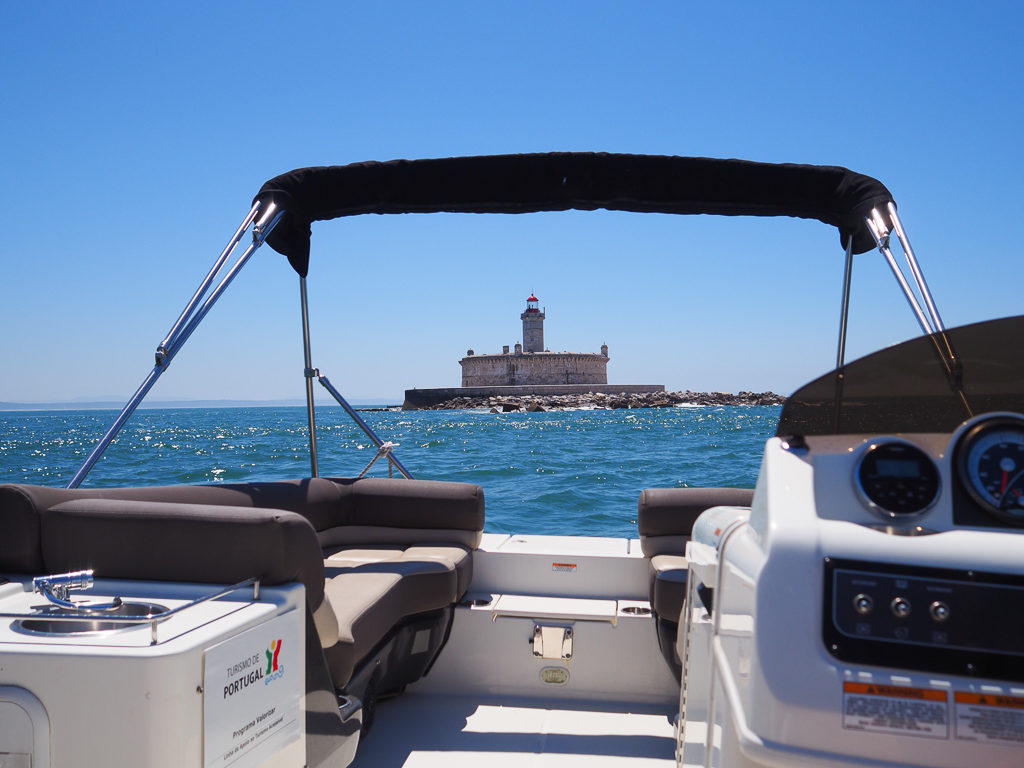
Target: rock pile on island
{"x":600,"y":400}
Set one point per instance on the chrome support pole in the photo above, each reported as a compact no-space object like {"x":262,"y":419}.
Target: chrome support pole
{"x":205,"y":285}
{"x":845,"y":316}
{"x":181,"y":331}
{"x":111,"y":433}
{"x":310,"y":372}
{"x":881,"y":234}
{"x":362,"y":424}
{"x":930,"y":322}
{"x":261,"y":229}
{"x":915,"y":268}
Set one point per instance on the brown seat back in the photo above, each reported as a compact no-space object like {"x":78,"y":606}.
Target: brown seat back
{"x":665,"y":516}
{"x":163,"y":541}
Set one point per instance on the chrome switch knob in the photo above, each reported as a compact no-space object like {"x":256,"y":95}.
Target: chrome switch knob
{"x":900,"y":607}
{"x":863,"y":604}
{"x":939,"y":611}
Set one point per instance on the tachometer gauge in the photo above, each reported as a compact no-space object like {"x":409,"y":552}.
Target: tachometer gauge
{"x":990,"y":459}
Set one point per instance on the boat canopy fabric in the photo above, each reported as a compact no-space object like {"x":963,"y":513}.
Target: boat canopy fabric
{"x":570,"y":180}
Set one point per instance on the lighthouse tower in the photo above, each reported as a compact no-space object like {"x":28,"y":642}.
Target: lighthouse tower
{"x":533,"y":327}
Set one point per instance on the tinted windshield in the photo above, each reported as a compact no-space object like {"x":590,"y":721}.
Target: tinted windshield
{"x":906,"y":388}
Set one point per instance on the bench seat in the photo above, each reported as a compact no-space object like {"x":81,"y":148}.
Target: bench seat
{"x":372,"y":589}
{"x":373,"y":553}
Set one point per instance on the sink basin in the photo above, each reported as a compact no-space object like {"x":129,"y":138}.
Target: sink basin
{"x":51,"y":623}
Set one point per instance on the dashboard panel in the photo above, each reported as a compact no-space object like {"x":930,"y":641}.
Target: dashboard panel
{"x":917,"y":483}
{"x":897,"y":610}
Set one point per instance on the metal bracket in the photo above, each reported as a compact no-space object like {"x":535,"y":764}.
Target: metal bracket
{"x":552,"y":642}
{"x":879,"y":229}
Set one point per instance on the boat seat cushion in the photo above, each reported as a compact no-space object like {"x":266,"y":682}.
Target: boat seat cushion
{"x":392,"y":511}
{"x":370,"y":509}
{"x":454,"y":557}
{"x":20,"y":551}
{"x":668,"y":585}
{"x":370,"y":591}
{"x":163,"y":541}
{"x":665,"y":516}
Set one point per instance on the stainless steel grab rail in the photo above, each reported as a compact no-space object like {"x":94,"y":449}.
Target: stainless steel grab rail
{"x":88,"y":613}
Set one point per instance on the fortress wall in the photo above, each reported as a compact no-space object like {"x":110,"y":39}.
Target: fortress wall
{"x":427,"y":398}
{"x":545,"y":368}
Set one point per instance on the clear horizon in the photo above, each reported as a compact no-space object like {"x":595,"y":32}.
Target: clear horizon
{"x":136,"y":136}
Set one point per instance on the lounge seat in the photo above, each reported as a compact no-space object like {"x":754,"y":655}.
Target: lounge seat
{"x":370,"y":597}
{"x":665,"y":518}
{"x":377,"y":556}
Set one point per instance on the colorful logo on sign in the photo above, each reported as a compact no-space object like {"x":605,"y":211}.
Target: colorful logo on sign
{"x":272,"y":652}
{"x":274,"y":671}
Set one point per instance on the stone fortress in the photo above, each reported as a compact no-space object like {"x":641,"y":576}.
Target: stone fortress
{"x":531,"y":363}
{"x":529,"y":369}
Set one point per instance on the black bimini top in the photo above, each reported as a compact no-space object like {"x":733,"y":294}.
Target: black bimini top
{"x":562,"y":181}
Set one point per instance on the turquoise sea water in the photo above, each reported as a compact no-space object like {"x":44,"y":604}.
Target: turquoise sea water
{"x":568,"y":472}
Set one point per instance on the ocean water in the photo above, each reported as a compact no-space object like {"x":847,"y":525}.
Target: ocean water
{"x":566,"y":472}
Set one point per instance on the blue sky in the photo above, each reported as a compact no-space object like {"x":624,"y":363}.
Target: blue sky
{"x":134,"y":136}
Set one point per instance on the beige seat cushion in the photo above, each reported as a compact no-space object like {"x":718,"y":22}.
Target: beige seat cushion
{"x":668,"y":585}
{"x":455,"y":555}
{"x":370,"y":590}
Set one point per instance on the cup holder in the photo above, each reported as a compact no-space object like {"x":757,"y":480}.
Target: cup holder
{"x":636,"y":610}
{"x":47,"y":624}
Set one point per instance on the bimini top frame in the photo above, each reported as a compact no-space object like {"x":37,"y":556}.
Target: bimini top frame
{"x":860,"y":207}
{"x":570,"y":180}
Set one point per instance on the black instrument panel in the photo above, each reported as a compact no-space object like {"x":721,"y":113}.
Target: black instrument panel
{"x":960,"y":622}
{"x":899,"y":481}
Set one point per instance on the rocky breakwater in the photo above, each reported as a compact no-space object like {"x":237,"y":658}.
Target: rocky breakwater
{"x":600,"y":400}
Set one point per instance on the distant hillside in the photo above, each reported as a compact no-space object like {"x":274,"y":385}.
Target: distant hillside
{"x":111,"y":405}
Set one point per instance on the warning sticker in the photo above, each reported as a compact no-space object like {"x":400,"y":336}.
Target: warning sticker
{"x":990,"y":718}
{"x":896,"y":709}
{"x":564,"y":567}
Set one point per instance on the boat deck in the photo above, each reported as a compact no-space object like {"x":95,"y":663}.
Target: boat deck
{"x":485,"y":701}
{"x":417,"y":731}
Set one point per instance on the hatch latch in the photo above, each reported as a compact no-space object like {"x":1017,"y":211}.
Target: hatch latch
{"x":552,"y":642}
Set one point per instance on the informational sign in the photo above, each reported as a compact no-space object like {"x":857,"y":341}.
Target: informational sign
{"x":896,"y":709}
{"x":989,"y":718}
{"x":252,"y":694}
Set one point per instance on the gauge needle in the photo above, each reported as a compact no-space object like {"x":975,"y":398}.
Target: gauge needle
{"x":1006,"y":477}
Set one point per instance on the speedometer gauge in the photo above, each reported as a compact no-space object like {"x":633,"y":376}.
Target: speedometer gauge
{"x":990,"y":459}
